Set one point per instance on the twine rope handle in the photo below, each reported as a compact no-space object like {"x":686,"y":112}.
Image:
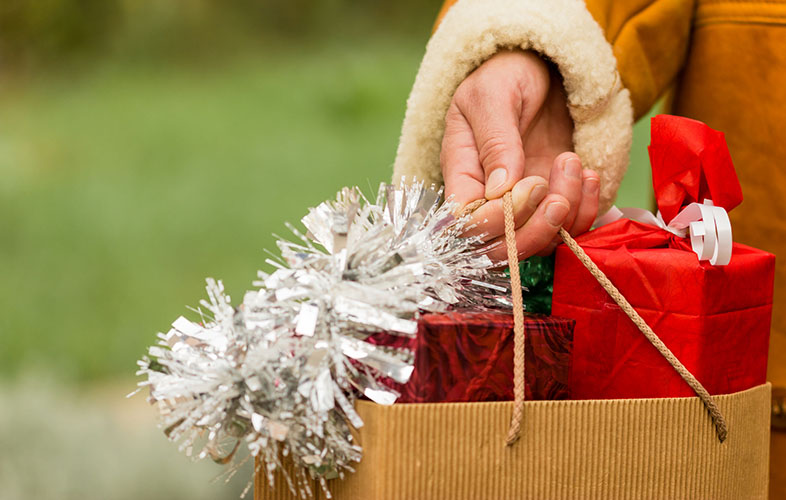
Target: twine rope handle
{"x":478,"y":382}
{"x":514,"y":432}
{"x":519,"y":383}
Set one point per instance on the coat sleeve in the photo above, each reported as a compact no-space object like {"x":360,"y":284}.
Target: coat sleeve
{"x":563,"y":31}
{"x":649,"y":39}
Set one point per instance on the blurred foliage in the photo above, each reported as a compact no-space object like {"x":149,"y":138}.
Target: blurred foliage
{"x":128,"y":177}
{"x":62,"y":443}
{"x":123,"y":187}
{"x":43,"y":30}
{"x":145,"y":145}
{"x":46,"y":32}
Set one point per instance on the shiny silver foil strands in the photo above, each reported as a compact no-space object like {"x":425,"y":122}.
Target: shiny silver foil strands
{"x":281,"y":371}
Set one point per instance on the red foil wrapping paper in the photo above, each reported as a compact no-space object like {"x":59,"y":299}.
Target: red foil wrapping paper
{"x":467,"y":356}
{"x":715,"y":319}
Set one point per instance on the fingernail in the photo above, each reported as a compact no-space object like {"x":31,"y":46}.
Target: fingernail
{"x":591,"y":185}
{"x":556,"y":211}
{"x":495,"y":181}
{"x":573,"y":168}
{"x":537,"y":194}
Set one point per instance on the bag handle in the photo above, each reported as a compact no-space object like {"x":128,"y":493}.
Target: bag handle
{"x":514,"y":432}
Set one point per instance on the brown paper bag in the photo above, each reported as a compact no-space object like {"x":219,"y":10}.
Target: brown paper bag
{"x":584,"y":449}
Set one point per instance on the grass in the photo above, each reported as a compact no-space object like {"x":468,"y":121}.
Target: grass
{"x":123,"y":186}
{"x":63,"y":443}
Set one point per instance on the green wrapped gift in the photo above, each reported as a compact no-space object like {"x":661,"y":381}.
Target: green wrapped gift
{"x":537,"y":274}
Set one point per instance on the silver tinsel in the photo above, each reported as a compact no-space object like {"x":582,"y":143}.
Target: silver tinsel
{"x":282,"y":370}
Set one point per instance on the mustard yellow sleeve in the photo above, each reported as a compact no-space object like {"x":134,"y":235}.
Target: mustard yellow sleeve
{"x":649,"y":40}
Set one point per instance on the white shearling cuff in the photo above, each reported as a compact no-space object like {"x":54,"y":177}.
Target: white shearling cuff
{"x":562,"y":30}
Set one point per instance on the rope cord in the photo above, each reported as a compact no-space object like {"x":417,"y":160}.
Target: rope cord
{"x":514,"y":432}
{"x":518,"y":322}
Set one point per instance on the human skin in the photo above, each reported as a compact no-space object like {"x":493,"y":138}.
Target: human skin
{"x":508,"y":128}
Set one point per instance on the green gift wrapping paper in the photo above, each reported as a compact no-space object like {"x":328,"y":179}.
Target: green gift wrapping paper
{"x":537,"y":274}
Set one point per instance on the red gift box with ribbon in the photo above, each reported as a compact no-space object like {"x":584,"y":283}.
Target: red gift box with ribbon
{"x":708,"y":299}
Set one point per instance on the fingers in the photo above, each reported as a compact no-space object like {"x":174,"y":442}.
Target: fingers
{"x":492,"y":109}
{"x":588,"y":207}
{"x":585,"y":212}
{"x":527,"y":194}
{"x":566,"y":180}
{"x":498,"y":108}
{"x":572,"y":203}
{"x":482,"y":149}
{"x":539,"y":231}
{"x":500,"y":151}
{"x":461,"y":170}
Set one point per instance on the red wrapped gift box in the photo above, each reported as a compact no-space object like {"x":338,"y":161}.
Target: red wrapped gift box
{"x":463,"y":356}
{"x":715,"y":319}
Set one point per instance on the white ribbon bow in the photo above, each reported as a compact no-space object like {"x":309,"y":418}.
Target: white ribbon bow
{"x":708,"y":226}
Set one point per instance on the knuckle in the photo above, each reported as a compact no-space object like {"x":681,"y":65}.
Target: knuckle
{"x":479,"y":90}
{"x":466,"y":93}
{"x":494,"y":149}
{"x":547,"y":249}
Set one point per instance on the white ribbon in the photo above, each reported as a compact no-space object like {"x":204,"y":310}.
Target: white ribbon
{"x":708,"y":226}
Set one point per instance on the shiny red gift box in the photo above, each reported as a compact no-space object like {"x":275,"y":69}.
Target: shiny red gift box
{"x":715,"y":319}
{"x":468,"y":356}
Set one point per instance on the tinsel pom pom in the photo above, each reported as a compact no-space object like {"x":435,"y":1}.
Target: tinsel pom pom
{"x":281,"y":371}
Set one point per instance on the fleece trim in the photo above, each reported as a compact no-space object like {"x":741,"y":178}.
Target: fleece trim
{"x":561,"y":30}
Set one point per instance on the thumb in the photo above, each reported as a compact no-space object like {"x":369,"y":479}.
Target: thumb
{"x":500,"y":150}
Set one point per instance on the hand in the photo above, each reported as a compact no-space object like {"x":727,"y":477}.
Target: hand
{"x":508,"y":128}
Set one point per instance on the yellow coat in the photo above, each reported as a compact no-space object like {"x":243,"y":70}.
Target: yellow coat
{"x":722,"y":62}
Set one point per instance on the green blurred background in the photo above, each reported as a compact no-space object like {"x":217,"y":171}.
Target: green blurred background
{"x":145,"y":145}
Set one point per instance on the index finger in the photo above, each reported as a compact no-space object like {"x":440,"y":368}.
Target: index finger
{"x":461,"y":170}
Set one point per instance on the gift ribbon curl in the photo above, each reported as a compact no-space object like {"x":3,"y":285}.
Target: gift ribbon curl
{"x":708,"y":246}
{"x":707,"y":226}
